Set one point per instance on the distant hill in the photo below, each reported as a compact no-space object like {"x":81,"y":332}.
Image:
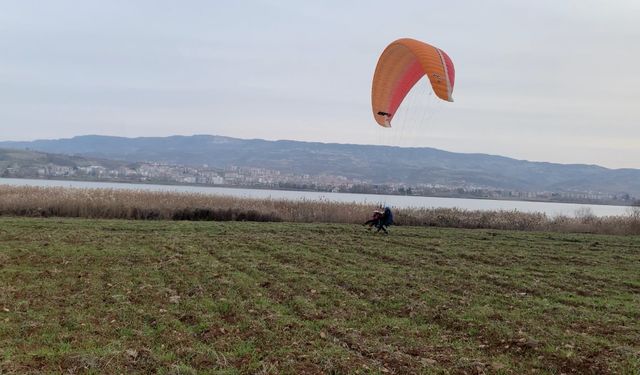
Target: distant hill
{"x":14,"y":158}
{"x":378,"y":164}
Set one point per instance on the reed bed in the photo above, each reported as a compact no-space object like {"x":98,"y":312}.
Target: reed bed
{"x":147,"y":205}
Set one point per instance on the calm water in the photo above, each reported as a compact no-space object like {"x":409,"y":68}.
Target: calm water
{"x":551,"y":209}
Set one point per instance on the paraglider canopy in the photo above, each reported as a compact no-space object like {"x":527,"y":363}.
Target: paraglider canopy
{"x":400,"y":66}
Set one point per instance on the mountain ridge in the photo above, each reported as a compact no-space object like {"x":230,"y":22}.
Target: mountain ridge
{"x":377,"y":164}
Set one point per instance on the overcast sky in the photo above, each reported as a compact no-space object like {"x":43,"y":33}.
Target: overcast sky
{"x":549,"y":80}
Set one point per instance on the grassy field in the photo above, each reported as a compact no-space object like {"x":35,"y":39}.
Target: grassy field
{"x":119,"y":296}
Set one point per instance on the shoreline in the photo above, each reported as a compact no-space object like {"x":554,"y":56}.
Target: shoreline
{"x":256,"y":188}
{"x":101,"y":203}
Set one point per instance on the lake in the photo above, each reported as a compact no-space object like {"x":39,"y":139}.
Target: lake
{"x":398,"y":201}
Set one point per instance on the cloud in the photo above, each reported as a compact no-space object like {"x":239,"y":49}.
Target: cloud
{"x":545,"y":81}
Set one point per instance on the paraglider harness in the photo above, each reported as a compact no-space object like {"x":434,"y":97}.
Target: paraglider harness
{"x":385,"y":221}
{"x":377,"y":215}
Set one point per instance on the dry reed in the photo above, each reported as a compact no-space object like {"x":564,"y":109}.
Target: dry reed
{"x":146,"y":205}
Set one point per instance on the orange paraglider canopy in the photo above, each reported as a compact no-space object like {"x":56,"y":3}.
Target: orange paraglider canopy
{"x":400,"y":66}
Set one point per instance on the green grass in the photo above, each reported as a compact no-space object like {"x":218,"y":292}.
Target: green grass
{"x":116,"y":296}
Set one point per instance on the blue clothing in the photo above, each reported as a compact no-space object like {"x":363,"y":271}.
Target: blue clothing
{"x":387,"y":216}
